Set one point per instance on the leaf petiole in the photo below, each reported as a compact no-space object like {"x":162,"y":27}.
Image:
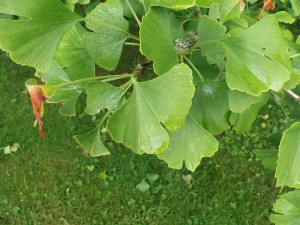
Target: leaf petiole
{"x":133,"y":12}
{"x":106,"y":78}
{"x":294,"y":56}
{"x":131,"y":44}
{"x":126,"y":87}
{"x":49,"y":90}
{"x":194,"y":67}
{"x":145,"y":8}
{"x":277,"y":100}
{"x":293,"y":94}
{"x":132,"y":36}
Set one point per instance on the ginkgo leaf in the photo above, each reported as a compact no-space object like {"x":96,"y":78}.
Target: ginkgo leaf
{"x":105,"y":44}
{"x":255,"y":65}
{"x":287,"y":208}
{"x":205,"y":3}
{"x":211,"y":106}
{"x":164,"y":100}
{"x":68,"y":97}
{"x":55,"y":92}
{"x":210,"y":32}
{"x":288,"y":167}
{"x":173,"y":4}
{"x":189,"y":145}
{"x":240,"y":101}
{"x":296,"y":7}
{"x":208,"y":71}
{"x":33,"y":41}
{"x":100,"y":95}
{"x":91,"y":143}
{"x":294,"y":79}
{"x":228,"y":10}
{"x":242,"y":121}
{"x":157,"y":38}
{"x":295,"y":62}
{"x":135,"y":4}
{"x":284,"y":17}
{"x":72,"y":55}
{"x":268,"y":158}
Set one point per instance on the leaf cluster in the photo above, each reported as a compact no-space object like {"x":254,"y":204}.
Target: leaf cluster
{"x":215,"y":64}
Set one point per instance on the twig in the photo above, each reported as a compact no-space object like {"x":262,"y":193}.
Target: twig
{"x":277,"y":100}
{"x":293,"y":94}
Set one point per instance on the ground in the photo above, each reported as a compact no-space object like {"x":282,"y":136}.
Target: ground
{"x":55,"y":182}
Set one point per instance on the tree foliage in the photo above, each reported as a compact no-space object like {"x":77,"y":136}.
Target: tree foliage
{"x":215,"y":65}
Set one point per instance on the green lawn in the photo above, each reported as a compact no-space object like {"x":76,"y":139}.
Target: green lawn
{"x":54,"y":182}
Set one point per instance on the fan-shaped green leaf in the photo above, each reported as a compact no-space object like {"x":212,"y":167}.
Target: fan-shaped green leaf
{"x":72,"y":55}
{"x":229,"y":10}
{"x":242,"y":121}
{"x":166,"y":100}
{"x":157,"y":39}
{"x":240,"y":101}
{"x":100,"y":95}
{"x":33,"y":41}
{"x":288,"y":166}
{"x":55,"y":75}
{"x":91,"y":143}
{"x":296,"y":7}
{"x":255,"y":65}
{"x":294,"y":79}
{"x":211,"y":106}
{"x":67,"y":95}
{"x":210,"y":32}
{"x":106,"y":43}
{"x":284,"y":17}
{"x":288,"y":209}
{"x":189,"y":145}
{"x":295,"y":73}
{"x":268,"y":158}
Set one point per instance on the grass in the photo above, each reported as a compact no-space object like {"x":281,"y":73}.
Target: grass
{"x":54,"y":182}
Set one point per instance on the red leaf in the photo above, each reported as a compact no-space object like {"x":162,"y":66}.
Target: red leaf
{"x":37,"y":99}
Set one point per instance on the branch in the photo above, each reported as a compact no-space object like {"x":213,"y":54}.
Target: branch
{"x":293,"y":94}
